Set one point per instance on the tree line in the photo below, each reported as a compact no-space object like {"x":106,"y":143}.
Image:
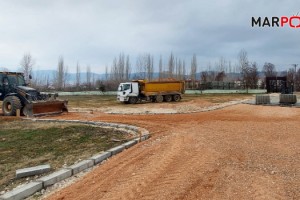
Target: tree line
{"x":122,"y":70}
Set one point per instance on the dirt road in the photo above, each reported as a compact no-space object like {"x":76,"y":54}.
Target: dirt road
{"x":239,"y":152}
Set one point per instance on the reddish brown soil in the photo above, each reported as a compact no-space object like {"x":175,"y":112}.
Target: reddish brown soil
{"x":239,"y":152}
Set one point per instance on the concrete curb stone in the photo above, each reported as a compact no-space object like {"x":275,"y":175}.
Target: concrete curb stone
{"x":100,"y":157}
{"x":130,"y":143}
{"x":116,"y":150}
{"x":55,"y":177}
{"x":78,"y":167}
{"x":31,"y":171}
{"x":23,"y":191}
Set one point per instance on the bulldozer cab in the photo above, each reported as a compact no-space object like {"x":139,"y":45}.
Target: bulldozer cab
{"x":8,"y":81}
{"x":4,"y":86}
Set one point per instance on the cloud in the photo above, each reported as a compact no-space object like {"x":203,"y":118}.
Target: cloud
{"x":94,"y":32}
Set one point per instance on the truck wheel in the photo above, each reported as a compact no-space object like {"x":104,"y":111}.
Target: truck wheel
{"x":168,"y":98}
{"x":10,"y":105}
{"x":176,"y":97}
{"x":133,"y":100}
{"x":159,"y":99}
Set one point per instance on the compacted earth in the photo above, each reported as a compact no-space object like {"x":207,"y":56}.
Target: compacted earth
{"x":236,"y":152}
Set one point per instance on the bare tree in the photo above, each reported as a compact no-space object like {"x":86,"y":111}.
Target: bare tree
{"x":221,"y":66}
{"x":269,"y":70}
{"x":204,"y":76}
{"x":144,"y":66}
{"x":248,"y":71}
{"x":93,"y":80}
{"x":293,"y":78}
{"x":220,"y":69}
{"x":66,"y":76}
{"x":220,"y":76}
{"x":88,"y":77}
{"x":297,"y":80}
{"x":229,"y":67}
{"x":193,"y":70}
{"x":171,"y":65}
{"x":160,"y":66}
{"x":127,"y":69}
{"x":59,"y":77}
{"x":149,"y":65}
{"x":211,"y":74}
{"x":141,"y":67}
{"x":243,"y":59}
{"x":290,"y":75}
{"x":250,"y":76}
{"x":27,"y":63}
{"x":180,"y":70}
{"x":183,"y":69}
{"x":114,"y":70}
{"x":106,"y":73}
{"x":121,"y":68}
{"x":77,"y":76}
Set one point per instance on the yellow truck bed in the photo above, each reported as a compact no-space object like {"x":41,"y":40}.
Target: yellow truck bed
{"x":163,"y":87}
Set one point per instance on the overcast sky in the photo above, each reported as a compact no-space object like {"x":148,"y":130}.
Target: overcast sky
{"x":94,"y":32}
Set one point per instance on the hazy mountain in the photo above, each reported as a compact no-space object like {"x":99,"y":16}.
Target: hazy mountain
{"x":71,"y":77}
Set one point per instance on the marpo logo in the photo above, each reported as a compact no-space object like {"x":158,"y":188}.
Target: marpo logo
{"x":292,"y":22}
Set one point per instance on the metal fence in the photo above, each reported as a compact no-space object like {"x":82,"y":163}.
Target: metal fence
{"x":220,"y":85}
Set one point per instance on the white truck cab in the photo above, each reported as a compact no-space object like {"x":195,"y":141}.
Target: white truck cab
{"x":156,"y":91}
{"x":128,"y":92}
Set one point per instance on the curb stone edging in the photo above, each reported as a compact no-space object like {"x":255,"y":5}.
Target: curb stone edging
{"x":55,"y":177}
{"x":31,"y":188}
{"x":23,"y":191}
{"x":31,"y":171}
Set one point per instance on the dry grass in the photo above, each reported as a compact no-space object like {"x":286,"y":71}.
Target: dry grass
{"x":27,"y":143}
{"x":97,"y":101}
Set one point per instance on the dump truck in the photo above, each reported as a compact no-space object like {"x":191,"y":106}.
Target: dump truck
{"x":156,"y":91}
{"x":15,"y":95}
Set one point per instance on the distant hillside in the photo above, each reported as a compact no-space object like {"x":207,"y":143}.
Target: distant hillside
{"x":71,"y":77}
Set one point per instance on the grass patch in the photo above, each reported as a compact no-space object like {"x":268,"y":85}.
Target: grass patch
{"x":92,"y":101}
{"x":26,"y":144}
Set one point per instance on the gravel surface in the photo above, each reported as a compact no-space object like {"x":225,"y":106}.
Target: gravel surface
{"x":195,"y":105}
{"x":238,"y":152}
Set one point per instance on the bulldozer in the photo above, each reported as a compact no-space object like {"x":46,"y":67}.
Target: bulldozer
{"x":17,"y":96}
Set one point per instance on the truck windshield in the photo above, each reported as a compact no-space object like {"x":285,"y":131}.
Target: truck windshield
{"x":124,"y":87}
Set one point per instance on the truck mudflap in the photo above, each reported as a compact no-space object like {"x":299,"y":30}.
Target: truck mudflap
{"x":39,"y":108}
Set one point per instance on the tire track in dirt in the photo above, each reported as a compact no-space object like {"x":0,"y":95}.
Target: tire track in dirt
{"x":224,"y":154}
{"x":152,"y":172}
{"x":171,"y":163}
{"x":263,"y":188}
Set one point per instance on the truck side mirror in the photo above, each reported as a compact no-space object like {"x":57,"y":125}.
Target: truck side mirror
{"x":30,"y":77}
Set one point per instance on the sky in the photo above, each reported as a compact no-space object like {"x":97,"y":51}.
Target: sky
{"x":94,"y":32}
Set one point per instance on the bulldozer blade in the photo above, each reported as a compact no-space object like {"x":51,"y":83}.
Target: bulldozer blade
{"x":38,"y":108}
